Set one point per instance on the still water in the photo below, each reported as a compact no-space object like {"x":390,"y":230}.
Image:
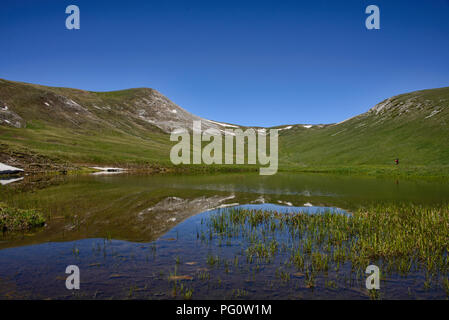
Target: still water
{"x":140,"y":237}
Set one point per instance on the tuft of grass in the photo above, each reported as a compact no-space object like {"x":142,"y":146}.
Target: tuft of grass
{"x":401,"y":238}
{"x":14,"y":219}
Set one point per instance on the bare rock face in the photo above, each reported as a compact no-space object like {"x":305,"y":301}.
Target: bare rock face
{"x":159,"y":111}
{"x":9,"y":117}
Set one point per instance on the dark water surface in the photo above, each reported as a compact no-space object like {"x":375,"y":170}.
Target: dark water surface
{"x":141,"y":237}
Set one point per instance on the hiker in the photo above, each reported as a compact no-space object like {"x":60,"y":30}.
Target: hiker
{"x":396,"y":161}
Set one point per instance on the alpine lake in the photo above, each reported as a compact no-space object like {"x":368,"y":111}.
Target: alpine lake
{"x":227,"y":236}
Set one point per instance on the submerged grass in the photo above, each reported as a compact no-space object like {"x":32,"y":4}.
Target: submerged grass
{"x":399,"y":238}
{"x":14,"y":219}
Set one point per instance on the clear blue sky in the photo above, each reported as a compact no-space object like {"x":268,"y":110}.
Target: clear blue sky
{"x":247,"y":62}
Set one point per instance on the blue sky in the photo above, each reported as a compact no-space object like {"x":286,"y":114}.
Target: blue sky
{"x":247,"y":62}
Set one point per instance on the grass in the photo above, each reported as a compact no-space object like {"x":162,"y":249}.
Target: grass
{"x":399,"y":238}
{"x":395,"y":171}
{"x":110,"y":133}
{"x":13,"y":219}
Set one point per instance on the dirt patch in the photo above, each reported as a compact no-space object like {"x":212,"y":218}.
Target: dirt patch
{"x":31,"y":162}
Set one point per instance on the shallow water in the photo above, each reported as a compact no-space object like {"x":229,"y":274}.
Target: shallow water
{"x":130,"y":234}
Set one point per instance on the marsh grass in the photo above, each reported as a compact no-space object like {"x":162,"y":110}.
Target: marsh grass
{"x":399,"y":238}
{"x":14,"y":219}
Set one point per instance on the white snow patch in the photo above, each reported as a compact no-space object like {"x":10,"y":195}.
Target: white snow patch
{"x":308,"y":204}
{"x":101,"y":173}
{"x":434,"y":112}
{"x":8,"y":181}
{"x":285,"y":202}
{"x":174,"y":111}
{"x":285,"y":128}
{"x":5,"y":168}
{"x":308,"y":126}
{"x":107,"y":170}
{"x":261,"y":199}
{"x":226,"y":205}
{"x":223,"y":124}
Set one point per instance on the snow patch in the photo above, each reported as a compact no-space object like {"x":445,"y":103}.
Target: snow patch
{"x":308,"y":126}
{"x":308,"y":204}
{"x":223,"y":124}
{"x":226,"y":205}
{"x":107,"y":170}
{"x":8,"y":181}
{"x":286,"y":203}
{"x":4,"y":168}
{"x":434,"y":112}
{"x":260,"y":199}
{"x":285,"y":128}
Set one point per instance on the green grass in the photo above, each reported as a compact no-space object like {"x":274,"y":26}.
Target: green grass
{"x":399,"y":238}
{"x":14,"y":219}
{"x":395,"y":171}
{"x":375,"y":140}
{"x":106,"y":134}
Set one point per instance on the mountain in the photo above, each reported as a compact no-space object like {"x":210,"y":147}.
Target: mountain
{"x":125,"y":110}
{"x":412,"y":127}
{"x":41,"y":126}
{"x":84,"y":127}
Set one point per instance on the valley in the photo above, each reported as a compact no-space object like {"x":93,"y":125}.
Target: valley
{"x":55,"y":128}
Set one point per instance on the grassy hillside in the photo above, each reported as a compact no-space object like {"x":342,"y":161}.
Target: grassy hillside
{"x":413,"y":127}
{"x":127,"y":128}
{"x":79,"y":126}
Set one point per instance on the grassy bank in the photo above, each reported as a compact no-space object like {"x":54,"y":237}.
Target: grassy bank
{"x":394,"y":171}
{"x":14,"y":219}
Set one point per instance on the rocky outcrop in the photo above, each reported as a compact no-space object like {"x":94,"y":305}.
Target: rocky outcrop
{"x":9,"y":117}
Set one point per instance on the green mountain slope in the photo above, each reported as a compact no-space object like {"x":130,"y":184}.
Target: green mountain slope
{"x":130,"y":128}
{"x":413,"y":127}
{"x":80,"y":126}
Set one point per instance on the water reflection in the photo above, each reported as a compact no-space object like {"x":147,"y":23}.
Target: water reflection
{"x":127,"y":232}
